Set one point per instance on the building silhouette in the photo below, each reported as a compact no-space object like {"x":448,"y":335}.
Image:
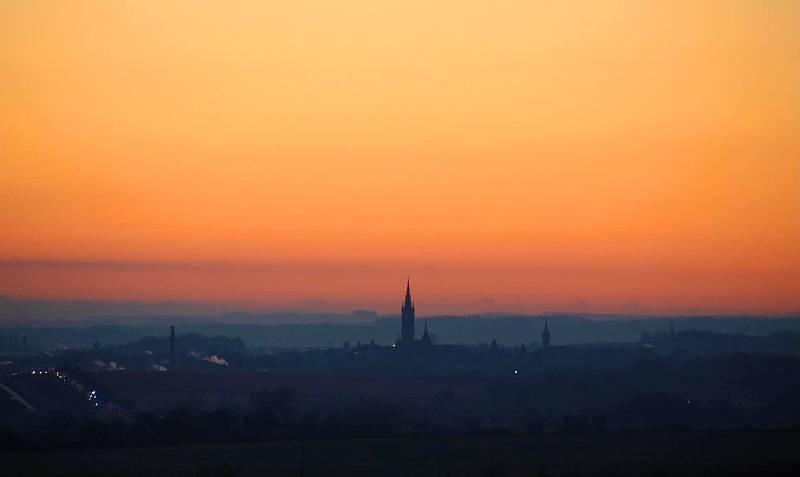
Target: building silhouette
{"x":407,"y":317}
{"x":493,"y":346}
{"x":408,"y":339}
{"x":545,"y":336}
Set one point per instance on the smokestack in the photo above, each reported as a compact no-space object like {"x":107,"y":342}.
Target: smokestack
{"x":172,"y":348}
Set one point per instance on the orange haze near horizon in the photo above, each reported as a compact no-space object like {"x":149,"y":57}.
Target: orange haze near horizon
{"x":510,"y":156}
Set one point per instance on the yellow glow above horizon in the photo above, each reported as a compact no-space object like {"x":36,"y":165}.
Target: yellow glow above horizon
{"x":542,"y":154}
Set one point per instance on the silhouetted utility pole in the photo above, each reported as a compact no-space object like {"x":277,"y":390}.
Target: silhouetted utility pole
{"x":172,"y":348}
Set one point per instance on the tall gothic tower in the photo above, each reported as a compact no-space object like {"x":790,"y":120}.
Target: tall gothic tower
{"x":407,"y":317}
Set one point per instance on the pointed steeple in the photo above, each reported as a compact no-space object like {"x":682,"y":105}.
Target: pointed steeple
{"x":425,"y":336}
{"x":409,"y":303}
{"x":407,"y":316}
{"x":545,"y":335}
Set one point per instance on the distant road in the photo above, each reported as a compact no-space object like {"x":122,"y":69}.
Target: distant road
{"x":18,"y":398}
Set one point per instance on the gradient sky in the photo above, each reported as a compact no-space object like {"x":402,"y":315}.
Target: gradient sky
{"x":510,"y":156}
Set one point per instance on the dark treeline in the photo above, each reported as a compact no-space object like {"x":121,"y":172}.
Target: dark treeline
{"x":704,"y":342}
{"x":725,"y":392}
{"x":277,"y":418}
{"x":273,"y":415}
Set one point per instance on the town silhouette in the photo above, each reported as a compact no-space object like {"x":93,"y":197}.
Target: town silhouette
{"x":528,"y":405}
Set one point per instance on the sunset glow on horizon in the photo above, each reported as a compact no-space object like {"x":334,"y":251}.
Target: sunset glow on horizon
{"x":609,"y":157}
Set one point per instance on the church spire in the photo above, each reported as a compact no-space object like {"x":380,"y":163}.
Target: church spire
{"x":409,"y":302}
{"x":407,"y":316}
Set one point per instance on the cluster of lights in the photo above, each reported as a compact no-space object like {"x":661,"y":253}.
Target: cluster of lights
{"x":43,"y":372}
{"x":93,"y":397}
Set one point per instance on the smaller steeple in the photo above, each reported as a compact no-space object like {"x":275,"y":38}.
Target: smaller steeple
{"x":426,"y":338}
{"x":545,"y":335}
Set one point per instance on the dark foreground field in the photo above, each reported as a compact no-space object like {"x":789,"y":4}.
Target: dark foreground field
{"x":595,"y":454}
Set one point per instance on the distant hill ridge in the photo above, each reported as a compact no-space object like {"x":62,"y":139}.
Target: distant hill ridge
{"x":506,"y":329}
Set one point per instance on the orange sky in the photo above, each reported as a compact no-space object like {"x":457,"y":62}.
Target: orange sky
{"x":519,"y":156}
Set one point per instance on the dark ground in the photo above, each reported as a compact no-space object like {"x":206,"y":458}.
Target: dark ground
{"x":561,"y":454}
